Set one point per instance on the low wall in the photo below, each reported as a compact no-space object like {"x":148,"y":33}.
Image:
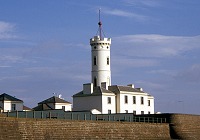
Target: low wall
{"x":50,"y":129}
{"x":185,"y":127}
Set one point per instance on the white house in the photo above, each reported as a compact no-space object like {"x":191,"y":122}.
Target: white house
{"x":9,"y":103}
{"x":97,"y":98}
{"x":101,"y":95}
{"x":132,"y":100}
{"x":53,"y":103}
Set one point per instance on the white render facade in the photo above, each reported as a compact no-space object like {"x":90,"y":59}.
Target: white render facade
{"x":95,"y":98}
{"x":9,"y":106}
{"x":132,"y":100}
{"x":101,"y":95}
{"x":115,"y":99}
{"x":9,"y":103}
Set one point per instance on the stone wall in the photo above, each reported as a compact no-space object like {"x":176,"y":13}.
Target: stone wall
{"x":186,"y":127}
{"x":50,"y":129}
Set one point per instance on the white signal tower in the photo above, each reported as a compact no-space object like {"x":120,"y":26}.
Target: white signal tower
{"x":100,"y":51}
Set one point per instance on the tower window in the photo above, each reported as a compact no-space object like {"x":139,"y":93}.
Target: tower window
{"x":95,"y":81}
{"x":95,"y":60}
{"x":108,"y":60}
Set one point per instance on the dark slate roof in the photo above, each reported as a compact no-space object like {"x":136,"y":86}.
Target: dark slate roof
{"x":96,"y":91}
{"x":54,"y":99}
{"x":26,"y":108}
{"x":117,"y":89}
{"x":100,"y":90}
{"x":6,"y":97}
{"x":41,"y":107}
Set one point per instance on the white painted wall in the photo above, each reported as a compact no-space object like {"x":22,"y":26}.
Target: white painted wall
{"x":151,"y":107}
{"x":7,"y":106}
{"x":106,"y":106}
{"x":100,"y":50}
{"x":68,"y":107}
{"x":130,"y":107}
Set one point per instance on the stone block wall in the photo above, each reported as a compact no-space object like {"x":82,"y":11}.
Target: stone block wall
{"x":185,"y":127}
{"x":50,"y":129}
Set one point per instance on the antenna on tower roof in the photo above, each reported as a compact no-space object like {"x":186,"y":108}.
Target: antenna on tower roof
{"x":100,"y":30}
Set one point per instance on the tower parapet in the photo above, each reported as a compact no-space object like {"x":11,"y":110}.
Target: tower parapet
{"x":99,"y":40}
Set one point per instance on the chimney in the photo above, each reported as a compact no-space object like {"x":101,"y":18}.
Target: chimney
{"x":88,"y":88}
{"x":131,"y":85}
{"x":140,"y":89}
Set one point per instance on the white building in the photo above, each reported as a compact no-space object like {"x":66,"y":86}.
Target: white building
{"x":9,"y":103}
{"x":103,"y":96}
{"x":53,"y":103}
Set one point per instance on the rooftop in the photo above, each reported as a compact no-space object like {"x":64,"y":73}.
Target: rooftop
{"x":6,"y":97}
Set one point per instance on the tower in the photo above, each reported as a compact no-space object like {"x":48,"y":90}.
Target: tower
{"x":100,"y":56}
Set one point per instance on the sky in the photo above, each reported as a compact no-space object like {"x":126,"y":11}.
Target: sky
{"x":44,"y":48}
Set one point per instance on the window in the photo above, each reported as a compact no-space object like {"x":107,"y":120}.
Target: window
{"x":134,"y":100}
{"x":109,"y":100}
{"x":95,"y":81}
{"x":134,"y":112}
{"x":13,"y":107}
{"x":109,"y":111}
{"x":126,"y":111}
{"x":149,"y":103}
{"x":125,"y":99}
{"x":142,"y":100}
{"x":107,"y":60}
{"x":142,"y":112}
{"x":63,"y":107}
{"x":95,"y":60}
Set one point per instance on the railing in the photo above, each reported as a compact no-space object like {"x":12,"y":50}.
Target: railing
{"x":60,"y":114}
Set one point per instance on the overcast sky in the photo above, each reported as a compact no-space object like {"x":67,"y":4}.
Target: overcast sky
{"x":44,"y":48}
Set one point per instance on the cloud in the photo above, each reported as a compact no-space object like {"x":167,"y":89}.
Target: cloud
{"x":190,"y":75}
{"x":133,"y":62}
{"x":147,"y":3}
{"x":10,"y":59}
{"x":121,"y":13}
{"x":152,"y":45}
{"x":163,"y":72}
{"x":5,"y":66}
{"x":154,"y":86}
{"x":6,"y":30}
{"x":64,"y":72}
